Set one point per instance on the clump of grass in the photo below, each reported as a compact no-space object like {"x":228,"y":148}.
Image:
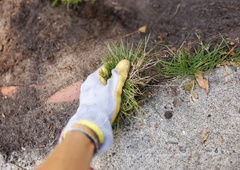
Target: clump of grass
{"x":141,"y":59}
{"x":74,"y":3}
{"x":182,"y":62}
{"x":204,"y":58}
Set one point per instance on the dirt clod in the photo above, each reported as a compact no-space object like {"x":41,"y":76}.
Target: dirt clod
{"x":168,"y":114}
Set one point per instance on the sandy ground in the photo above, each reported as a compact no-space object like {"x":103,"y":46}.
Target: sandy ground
{"x":153,"y":142}
{"x":46,"y":52}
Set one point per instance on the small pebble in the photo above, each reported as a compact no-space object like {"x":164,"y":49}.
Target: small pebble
{"x":168,"y":114}
{"x":182,"y":149}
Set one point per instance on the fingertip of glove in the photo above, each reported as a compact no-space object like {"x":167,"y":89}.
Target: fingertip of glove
{"x":103,"y":80}
{"x":103,"y":71}
{"x":123,"y":67}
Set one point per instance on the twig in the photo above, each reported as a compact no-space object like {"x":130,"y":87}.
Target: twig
{"x":176,"y":10}
{"x":127,"y":35}
{"x":18,"y":166}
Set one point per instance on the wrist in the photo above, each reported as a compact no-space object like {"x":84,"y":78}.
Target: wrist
{"x":88,"y":132}
{"x":93,"y":127}
{"x":87,"y":129}
{"x":96,"y":120}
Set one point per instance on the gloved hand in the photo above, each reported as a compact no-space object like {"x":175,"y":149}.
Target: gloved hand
{"x":100,"y":102}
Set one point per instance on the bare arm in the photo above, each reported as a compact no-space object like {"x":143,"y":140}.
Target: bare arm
{"x":74,"y":152}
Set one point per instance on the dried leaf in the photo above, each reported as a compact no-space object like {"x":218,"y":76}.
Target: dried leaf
{"x":201,"y":81}
{"x":188,"y":86}
{"x":193,"y":96}
{"x":234,"y":64}
{"x":205,"y":137}
{"x":143,"y":29}
{"x":230,"y":42}
{"x":223,"y":63}
{"x":231,"y":51}
{"x":162,"y":36}
{"x":229,"y":63}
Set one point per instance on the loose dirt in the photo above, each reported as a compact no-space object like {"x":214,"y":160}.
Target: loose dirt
{"x":44,"y":49}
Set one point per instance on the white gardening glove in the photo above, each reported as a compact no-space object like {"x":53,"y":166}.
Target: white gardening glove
{"x":100,"y":102}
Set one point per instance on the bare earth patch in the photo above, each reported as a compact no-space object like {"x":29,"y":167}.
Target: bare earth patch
{"x":44,"y":50}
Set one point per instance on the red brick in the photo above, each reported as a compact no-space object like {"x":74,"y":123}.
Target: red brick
{"x":9,"y":91}
{"x":68,"y":94}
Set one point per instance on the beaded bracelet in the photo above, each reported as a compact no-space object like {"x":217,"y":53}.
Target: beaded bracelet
{"x":91,"y":137}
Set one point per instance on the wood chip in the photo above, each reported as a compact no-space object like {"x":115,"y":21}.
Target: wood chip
{"x":143,"y":29}
{"x":3,"y":115}
{"x":205,"y":137}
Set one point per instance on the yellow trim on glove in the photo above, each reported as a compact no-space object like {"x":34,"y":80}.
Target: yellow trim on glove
{"x":123,"y":68}
{"x":103,"y":71}
{"x":94,"y":127}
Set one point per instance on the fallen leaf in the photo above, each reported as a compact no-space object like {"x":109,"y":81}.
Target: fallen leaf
{"x":229,"y":63}
{"x":162,"y":36}
{"x":188,"y":86}
{"x":205,"y":137}
{"x":143,"y":29}
{"x":223,"y":63}
{"x":230,"y":52}
{"x":234,"y":64}
{"x":201,"y":81}
{"x":230,"y":42}
{"x":193,"y":96}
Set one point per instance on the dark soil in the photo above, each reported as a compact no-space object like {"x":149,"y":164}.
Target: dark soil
{"x":40,"y":44}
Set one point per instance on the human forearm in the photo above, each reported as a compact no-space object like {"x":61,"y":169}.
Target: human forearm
{"x":74,"y":152}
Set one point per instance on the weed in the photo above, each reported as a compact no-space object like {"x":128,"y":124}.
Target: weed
{"x":141,"y":60}
{"x":182,"y":62}
{"x":185,"y":62}
{"x":74,"y":3}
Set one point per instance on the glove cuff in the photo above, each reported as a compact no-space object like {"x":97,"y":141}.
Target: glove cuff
{"x":97,"y":121}
{"x":94,"y":128}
